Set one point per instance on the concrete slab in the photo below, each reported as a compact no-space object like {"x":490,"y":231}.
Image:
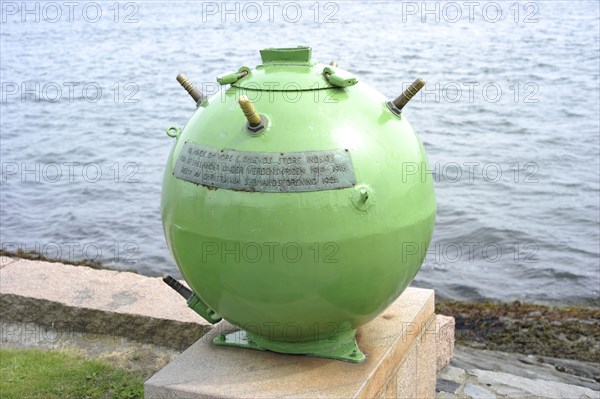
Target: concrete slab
{"x":6,"y":260}
{"x":393,"y":343}
{"x":110,"y":302}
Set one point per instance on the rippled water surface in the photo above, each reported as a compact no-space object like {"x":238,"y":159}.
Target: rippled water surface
{"x":510,"y":123}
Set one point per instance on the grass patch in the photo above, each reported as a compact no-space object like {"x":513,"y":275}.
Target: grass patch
{"x":32,"y":373}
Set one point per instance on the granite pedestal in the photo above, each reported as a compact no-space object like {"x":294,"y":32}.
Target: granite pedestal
{"x":401,"y":346}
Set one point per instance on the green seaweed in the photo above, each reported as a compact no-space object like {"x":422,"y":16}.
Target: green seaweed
{"x":571,"y":332}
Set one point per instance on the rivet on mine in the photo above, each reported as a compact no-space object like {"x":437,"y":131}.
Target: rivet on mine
{"x":364,"y":195}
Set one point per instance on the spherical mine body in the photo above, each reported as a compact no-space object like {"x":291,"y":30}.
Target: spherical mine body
{"x":309,"y":227}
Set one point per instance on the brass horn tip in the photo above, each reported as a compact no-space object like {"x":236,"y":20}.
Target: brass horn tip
{"x":249,"y":111}
{"x":408,"y":94}
{"x":196,"y":95}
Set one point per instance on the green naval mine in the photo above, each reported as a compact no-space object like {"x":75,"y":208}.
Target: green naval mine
{"x":286,"y":207}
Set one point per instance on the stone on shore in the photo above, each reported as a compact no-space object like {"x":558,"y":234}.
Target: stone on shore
{"x":474,"y":374}
{"x":109,"y":302}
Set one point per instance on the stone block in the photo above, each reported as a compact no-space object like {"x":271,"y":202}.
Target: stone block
{"x":445,"y":326}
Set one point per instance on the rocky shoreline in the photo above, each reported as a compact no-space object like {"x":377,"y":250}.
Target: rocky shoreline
{"x":476,"y":373}
{"x":561,"y":332}
{"x":522,"y":350}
